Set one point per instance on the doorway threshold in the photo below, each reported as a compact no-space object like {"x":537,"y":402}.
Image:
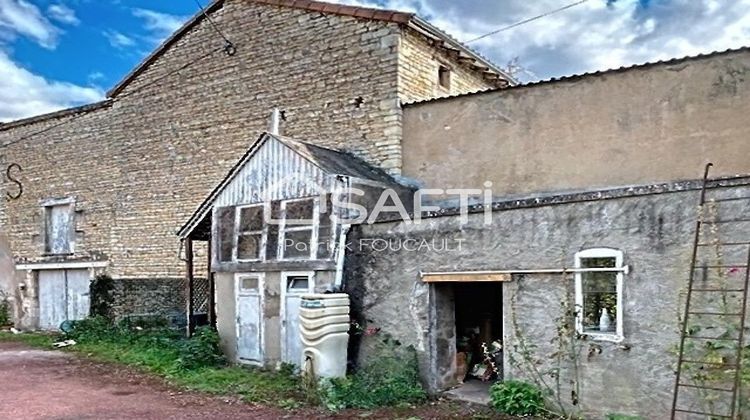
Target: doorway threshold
{"x":473,"y":391}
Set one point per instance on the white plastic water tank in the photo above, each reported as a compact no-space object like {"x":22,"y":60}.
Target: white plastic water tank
{"x":324,"y":327}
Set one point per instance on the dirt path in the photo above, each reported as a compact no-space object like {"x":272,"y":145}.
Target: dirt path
{"x":41,"y":384}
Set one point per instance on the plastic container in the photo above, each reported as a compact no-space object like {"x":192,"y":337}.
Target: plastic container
{"x":324,"y":327}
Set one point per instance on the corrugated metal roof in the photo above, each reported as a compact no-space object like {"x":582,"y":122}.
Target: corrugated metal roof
{"x":579,"y":76}
{"x":310,"y":158}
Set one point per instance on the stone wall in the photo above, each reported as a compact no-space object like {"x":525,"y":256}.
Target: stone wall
{"x":654,"y":123}
{"x":153,"y":297}
{"x":654,"y":231}
{"x":418,"y":71}
{"x":139,"y":164}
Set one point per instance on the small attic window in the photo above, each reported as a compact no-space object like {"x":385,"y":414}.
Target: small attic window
{"x":444,"y":77}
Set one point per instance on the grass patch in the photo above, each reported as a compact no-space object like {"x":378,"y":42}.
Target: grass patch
{"x":31,"y":339}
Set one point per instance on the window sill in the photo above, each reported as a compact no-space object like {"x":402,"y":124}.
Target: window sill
{"x":613,"y":338}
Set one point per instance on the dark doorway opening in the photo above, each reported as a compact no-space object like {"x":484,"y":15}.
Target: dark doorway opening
{"x":479,"y":334}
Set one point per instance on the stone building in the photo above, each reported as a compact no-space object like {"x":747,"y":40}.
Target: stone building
{"x":516,"y":267}
{"x":426,"y":286}
{"x":106,"y":186}
{"x":594,"y":171}
{"x":586,"y":172}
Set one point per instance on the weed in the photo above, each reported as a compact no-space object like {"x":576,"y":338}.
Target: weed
{"x":390,"y":379}
{"x":516,"y":398}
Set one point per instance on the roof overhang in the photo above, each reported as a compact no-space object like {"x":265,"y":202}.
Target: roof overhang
{"x":464,"y":53}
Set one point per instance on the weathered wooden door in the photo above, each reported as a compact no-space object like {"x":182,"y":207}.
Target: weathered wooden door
{"x":63,"y":295}
{"x":250,"y":318}
{"x":293,"y":286}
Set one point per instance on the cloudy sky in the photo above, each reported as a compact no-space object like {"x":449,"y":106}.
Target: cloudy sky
{"x":60,"y":53}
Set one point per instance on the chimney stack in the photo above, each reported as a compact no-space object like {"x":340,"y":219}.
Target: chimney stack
{"x":274,"y":126}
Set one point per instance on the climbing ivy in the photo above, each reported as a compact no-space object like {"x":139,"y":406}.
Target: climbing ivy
{"x":102,"y":296}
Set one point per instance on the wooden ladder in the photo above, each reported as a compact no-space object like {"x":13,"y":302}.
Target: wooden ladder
{"x":686,"y":332}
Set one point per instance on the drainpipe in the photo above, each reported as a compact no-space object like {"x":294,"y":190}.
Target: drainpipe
{"x":341,"y":246}
{"x":339,"y":280}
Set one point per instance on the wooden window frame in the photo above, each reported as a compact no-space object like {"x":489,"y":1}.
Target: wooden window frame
{"x":618,"y":270}
{"x":448,"y":71}
{"x":47,"y":206}
{"x":312,"y":227}
{"x":263,"y":232}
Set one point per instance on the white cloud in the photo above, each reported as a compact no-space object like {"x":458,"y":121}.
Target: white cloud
{"x":63,"y":14}
{"x":161,"y":25}
{"x":23,"y":94}
{"x":595,"y":35}
{"x":18,"y":17}
{"x":118,"y":39}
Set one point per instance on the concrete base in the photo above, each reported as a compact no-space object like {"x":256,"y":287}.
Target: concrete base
{"x":473,"y":391}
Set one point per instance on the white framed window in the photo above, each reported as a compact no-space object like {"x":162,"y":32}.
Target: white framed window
{"x":598,"y":293}
{"x":251,"y":233}
{"x":298,"y":229}
{"x":59,"y":226}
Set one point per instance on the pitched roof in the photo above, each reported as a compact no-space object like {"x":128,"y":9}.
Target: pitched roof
{"x":332,"y":162}
{"x":411,"y":20}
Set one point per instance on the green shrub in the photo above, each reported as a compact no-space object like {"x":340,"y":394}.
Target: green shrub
{"x":622,"y":417}
{"x":102,"y":296}
{"x":5,"y":318}
{"x":92,"y":329}
{"x":201,"y":350}
{"x":390,"y":379}
{"x":516,"y":398}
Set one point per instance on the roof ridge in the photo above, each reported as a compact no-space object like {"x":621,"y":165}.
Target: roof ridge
{"x":388,"y":15}
{"x":80,"y":109}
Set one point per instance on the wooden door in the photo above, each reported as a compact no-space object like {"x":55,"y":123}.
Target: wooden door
{"x":63,"y":295}
{"x":249,"y":290}
{"x":293,"y":286}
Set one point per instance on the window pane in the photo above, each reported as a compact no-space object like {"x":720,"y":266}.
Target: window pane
{"x":225,"y":222}
{"x":249,"y":283}
{"x":599,"y":302}
{"x":297,"y":283}
{"x":251,"y":219}
{"x":606,"y":262}
{"x":297,"y":245}
{"x":299,"y":212}
{"x":248,"y":247}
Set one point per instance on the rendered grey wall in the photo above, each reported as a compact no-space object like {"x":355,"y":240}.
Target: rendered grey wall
{"x":654,"y":232}
{"x":652,"y":124}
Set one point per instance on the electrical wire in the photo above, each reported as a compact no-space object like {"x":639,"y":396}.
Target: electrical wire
{"x":525,"y":21}
{"x":229,"y":47}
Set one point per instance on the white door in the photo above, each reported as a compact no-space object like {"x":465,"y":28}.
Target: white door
{"x":249,"y":318}
{"x":78,"y":285}
{"x":293,"y":286}
{"x":63,"y":295}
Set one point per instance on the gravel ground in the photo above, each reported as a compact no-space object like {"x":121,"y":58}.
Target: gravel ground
{"x":40,"y":384}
